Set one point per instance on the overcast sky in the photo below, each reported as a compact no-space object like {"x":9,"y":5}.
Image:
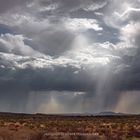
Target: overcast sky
{"x":70,"y":56}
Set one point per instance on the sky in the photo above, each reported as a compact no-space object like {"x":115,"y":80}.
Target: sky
{"x":70,"y":56}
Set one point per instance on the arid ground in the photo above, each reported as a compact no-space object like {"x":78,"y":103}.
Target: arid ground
{"x":68,"y":127}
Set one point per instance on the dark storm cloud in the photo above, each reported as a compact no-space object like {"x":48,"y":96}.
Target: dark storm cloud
{"x":41,"y":79}
{"x":51,"y":37}
{"x":130,"y":76}
{"x":73,"y":5}
{"x":54,"y":42}
{"x":87,"y":46}
{"x":13,"y":101}
{"x":6,"y":5}
{"x":60,"y":77}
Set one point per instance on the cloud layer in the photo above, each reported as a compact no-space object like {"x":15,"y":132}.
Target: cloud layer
{"x":67,"y":52}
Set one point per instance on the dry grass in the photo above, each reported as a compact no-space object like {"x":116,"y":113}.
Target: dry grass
{"x":39,"y":127}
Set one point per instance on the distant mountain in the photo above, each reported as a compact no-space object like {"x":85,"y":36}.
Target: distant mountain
{"x":109,"y":113}
{"x":105,"y":113}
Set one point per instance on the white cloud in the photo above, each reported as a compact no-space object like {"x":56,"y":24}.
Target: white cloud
{"x":50,"y":7}
{"x":25,"y":23}
{"x":93,"y":54}
{"x":120,"y":12}
{"x":76,"y":24}
{"x":98,"y":13}
{"x":15,"y":44}
{"x":89,"y":57}
{"x":128,"y":12}
{"x":95,"y":6}
{"x":130,"y":32}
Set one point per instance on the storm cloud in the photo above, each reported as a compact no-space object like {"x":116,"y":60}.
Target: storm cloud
{"x":61,"y":53}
